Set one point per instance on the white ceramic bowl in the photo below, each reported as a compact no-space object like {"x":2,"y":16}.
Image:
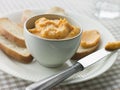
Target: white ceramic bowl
{"x":50,"y":52}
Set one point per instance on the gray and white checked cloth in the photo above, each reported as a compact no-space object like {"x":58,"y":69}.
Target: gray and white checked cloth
{"x":110,"y":80}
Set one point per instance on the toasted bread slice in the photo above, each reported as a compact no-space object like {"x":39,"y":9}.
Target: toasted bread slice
{"x":12,"y":31}
{"x":25,"y":15}
{"x":82,"y":52}
{"x":90,"y":41}
{"x":11,"y":49}
{"x":56,"y":10}
{"x":90,"y":38}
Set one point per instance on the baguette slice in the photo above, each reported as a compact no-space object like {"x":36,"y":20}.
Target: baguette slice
{"x":56,"y":10}
{"x":25,"y":15}
{"x":11,"y":49}
{"x":12,"y":31}
{"x":82,"y":52}
{"x":90,"y":41}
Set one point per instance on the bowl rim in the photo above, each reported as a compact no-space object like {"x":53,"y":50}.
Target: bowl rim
{"x":47,"y":39}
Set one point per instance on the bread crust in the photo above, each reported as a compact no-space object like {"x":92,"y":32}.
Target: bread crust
{"x":19,"y":41}
{"x":17,"y":56}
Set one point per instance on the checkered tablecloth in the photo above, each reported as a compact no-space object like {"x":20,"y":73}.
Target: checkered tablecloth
{"x":109,"y":80}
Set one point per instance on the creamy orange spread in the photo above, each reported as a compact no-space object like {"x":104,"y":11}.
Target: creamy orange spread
{"x":90,"y":38}
{"x":54,"y":29}
{"x":112,"y":45}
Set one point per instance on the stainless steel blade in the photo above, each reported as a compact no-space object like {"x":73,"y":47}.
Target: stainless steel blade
{"x":94,"y":57}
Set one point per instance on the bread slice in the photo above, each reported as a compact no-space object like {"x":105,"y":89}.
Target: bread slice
{"x":12,"y":31}
{"x":11,"y":49}
{"x":90,"y":41}
{"x":82,"y":52}
{"x":56,"y":10}
{"x":90,"y":38}
{"x":25,"y":15}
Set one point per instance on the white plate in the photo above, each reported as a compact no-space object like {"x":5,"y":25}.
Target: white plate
{"x":35,"y":72}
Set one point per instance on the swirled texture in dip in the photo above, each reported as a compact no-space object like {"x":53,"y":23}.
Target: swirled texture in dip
{"x":54,"y":29}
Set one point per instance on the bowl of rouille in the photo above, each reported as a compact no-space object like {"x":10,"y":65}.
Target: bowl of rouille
{"x":52,"y":39}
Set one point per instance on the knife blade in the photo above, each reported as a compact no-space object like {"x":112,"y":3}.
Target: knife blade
{"x":94,"y":57}
{"x":80,"y":65}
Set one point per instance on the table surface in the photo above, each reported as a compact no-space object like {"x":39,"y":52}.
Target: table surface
{"x":110,"y":80}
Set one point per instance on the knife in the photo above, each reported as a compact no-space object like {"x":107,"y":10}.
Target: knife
{"x":80,"y":65}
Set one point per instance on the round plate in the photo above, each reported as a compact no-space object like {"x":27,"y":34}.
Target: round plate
{"x":35,"y":72}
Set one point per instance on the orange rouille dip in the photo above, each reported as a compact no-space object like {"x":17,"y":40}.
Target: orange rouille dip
{"x":112,"y":45}
{"x":54,"y":29}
